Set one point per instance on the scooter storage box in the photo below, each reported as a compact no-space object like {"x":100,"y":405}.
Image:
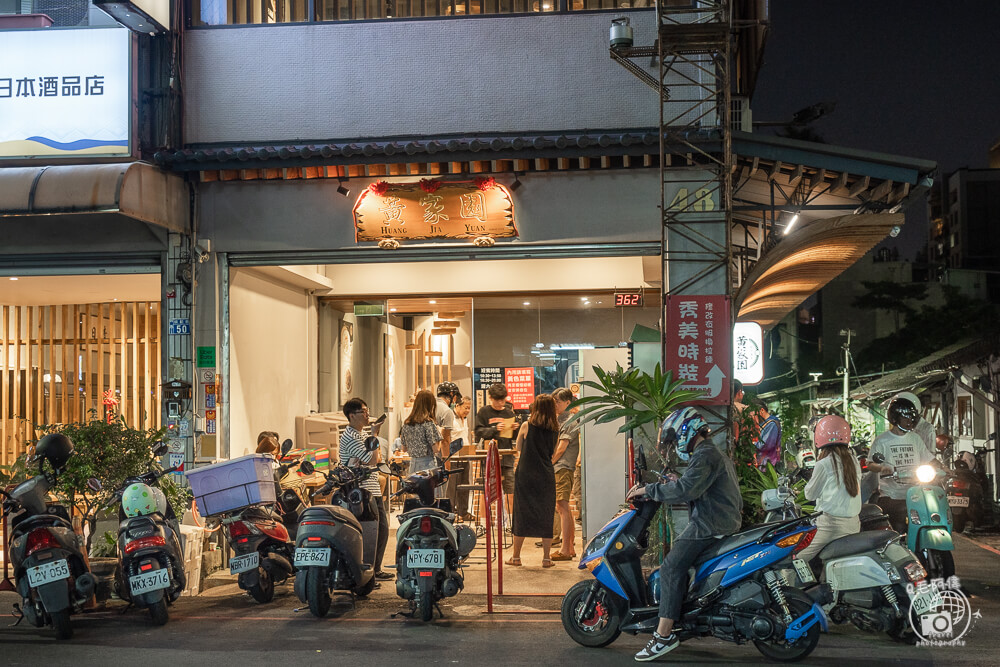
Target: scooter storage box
{"x":230,"y":485}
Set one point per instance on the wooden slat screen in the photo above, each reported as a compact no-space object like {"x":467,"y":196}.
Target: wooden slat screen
{"x":57,"y":362}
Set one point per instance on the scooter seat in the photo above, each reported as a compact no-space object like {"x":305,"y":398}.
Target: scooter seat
{"x":433,"y":511}
{"x":731,"y":542}
{"x":853,"y":544}
{"x":327,"y":513}
{"x":870,"y":511}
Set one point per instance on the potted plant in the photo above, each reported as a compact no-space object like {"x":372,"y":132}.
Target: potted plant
{"x":643,"y":401}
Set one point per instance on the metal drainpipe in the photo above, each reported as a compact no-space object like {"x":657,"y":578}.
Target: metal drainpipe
{"x":223,"y":399}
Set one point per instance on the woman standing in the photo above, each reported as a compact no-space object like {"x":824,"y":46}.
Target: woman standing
{"x":420,"y":435}
{"x":534,"y":480}
{"x":835,"y":485}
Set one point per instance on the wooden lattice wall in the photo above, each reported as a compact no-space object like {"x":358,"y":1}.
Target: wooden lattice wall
{"x":59,"y":361}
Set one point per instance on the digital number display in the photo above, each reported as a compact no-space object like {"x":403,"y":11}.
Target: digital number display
{"x":628,"y":299}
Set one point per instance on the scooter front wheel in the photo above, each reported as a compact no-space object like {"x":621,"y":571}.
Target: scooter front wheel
{"x":939,"y":564}
{"x":317,"y":591}
{"x":779,"y":648}
{"x":594,"y":627}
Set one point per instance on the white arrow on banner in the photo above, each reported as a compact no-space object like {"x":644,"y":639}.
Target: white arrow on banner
{"x":714,"y":386}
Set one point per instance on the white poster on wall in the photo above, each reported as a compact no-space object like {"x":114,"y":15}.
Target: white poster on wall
{"x":64,"y":93}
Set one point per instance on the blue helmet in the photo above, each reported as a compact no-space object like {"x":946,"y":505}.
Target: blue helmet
{"x":678,"y":431}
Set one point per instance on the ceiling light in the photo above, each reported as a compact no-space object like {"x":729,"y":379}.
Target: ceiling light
{"x":539,"y":344}
{"x":13,"y":277}
{"x":584,"y":298}
{"x":791,"y":223}
{"x":432,"y":301}
{"x":527,"y":303}
{"x":392,"y":310}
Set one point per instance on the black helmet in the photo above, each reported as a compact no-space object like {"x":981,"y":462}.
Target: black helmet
{"x":903,"y":414}
{"x":448,"y":389}
{"x":56,"y":448}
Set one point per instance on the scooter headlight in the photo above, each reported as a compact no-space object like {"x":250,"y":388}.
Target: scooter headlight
{"x":599,"y":541}
{"x":926,"y":474}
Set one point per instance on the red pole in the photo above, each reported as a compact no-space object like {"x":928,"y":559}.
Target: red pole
{"x":498,"y":494}
{"x":6,"y":584}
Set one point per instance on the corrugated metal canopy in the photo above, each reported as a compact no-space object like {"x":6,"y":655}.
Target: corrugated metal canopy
{"x":136,"y":190}
{"x":805,"y":261}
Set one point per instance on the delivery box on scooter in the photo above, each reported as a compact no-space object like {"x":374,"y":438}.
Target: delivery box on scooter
{"x":230,"y":485}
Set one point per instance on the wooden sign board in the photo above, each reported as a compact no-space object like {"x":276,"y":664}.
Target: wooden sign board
{"x":435,"y":210}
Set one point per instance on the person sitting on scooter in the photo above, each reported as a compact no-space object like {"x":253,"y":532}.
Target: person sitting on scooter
{"x":712,"y":492}
{"x":354,"y":444}
{"x":834,"y":485}
{"x":899,"y":446}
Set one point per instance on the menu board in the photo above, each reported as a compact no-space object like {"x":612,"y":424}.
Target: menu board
{"x":520,"y":386}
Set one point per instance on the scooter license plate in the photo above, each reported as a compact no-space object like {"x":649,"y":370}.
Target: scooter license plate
{"x":425,"y":558}
{"x":926,"y":600}
{"x":305,"y":557}
{"x":244,"y":563}
{"x":47,"y":573}
{"x":149,"y":581}
{"x":958,"y":501}
{"x":803,"y":570}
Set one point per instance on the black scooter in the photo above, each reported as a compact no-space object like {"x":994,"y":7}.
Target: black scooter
{"x":150,"y":570}
{"x":50,"y":572}
{"x":969,"y":490}
{"x":429,"y":549}
{"x":335,"y":543}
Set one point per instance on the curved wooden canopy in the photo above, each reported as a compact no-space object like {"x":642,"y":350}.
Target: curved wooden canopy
{"x":805,"y":261}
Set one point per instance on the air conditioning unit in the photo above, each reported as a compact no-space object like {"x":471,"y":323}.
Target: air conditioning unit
{"x":740,"y":116}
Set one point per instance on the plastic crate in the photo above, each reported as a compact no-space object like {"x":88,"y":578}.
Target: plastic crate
{"x":230,"y":485}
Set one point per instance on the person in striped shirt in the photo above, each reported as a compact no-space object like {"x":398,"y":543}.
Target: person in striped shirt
{"x":356,"y":443}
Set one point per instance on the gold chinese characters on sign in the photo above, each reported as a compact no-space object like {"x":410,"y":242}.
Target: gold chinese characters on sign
{"x":432,"y":209}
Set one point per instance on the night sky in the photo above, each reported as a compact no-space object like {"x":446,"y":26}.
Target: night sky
{"x":919,"y":79}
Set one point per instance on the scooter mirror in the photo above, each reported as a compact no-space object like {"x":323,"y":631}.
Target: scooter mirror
{"x":353,"y":462}
{"x":94,"y":484}
{"x":307,"y":467}
{"x":878,"y":458}
{"x":286,"y":446}
{"x":160,"y":448}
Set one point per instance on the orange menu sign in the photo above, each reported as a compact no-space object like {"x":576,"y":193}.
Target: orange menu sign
{"x":520,"y":384}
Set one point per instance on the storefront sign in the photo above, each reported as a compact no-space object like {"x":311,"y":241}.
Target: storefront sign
{"x":520,"y":386}
{"x":748,"y":358}
{"x":434,"y":209}
{"x":65,"y":93}
{"x":697,"y":338}
{"x":206,"y":357}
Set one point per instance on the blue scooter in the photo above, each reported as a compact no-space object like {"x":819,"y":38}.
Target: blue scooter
{"x":928,"y":517}
{"x":735,"y":593}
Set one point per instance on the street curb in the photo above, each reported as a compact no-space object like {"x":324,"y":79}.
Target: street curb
{"x":979,"y":544}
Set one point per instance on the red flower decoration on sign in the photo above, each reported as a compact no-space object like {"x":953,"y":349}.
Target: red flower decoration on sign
{"x":430,"y":185}
{"x":110,"y":402}
{"x":486,"y":183}
{"x":379,"y":188}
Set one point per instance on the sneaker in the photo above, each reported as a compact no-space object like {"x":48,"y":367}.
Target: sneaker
{"x":657,"y":647}
{"x":382,"y":575}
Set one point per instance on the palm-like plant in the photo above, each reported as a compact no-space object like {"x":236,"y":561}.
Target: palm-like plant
{"x":636,"y":396}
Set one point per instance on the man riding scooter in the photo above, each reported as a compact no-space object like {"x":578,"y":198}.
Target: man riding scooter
{"x":899,"y":446}
{"x":711,"y":490}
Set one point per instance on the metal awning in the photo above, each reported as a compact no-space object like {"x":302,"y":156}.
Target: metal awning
{"x":807,"y":260}
{"x":136,"y":190}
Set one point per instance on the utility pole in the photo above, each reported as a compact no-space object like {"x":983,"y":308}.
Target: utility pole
{"x":847,"y":368}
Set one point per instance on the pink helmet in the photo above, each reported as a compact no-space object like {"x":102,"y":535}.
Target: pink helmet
{"x":832,"y":430}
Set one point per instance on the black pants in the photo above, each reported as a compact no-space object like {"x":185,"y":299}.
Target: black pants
{"x":896,"y":510}
{"x":674,"y":573}
{"x":459,"y":497}
{"x":383,"y":533}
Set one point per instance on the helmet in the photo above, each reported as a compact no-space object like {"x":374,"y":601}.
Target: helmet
{"x":909,"y":396}
{"x":448,"y":389}
{"x":678,"y":431}
{"x":56,"y":448}
{"x":832,"y":430}
{"x":903,"y":414}
{"x":139,"y":500}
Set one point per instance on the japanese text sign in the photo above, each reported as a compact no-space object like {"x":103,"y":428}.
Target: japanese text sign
{"x":433,"y":209}
{"x":65,"y":93}
{"x":520,"y":386}
{"x":697,"y":338}
{"x":748,"y":359}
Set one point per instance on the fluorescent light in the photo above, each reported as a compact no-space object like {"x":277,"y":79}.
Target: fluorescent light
{"x":584,"y":298}
{"x":13,"y":278}
{"x":791,"y":223}
{"x":432,"y":301}
{"x":527,"y":303}
{"x":573,"y":346}
{"x":539,"y":344}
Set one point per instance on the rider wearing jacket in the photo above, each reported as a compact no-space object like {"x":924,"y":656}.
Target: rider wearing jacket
{"x":710,"y":488}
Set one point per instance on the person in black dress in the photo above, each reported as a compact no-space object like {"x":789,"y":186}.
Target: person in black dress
{"x":534,"y":480}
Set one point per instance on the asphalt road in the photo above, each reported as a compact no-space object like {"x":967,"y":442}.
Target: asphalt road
{"x":227,"y":628}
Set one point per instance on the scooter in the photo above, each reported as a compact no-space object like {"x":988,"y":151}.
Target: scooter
{"x":50,"y":571}
{"x":263,"y":538}
{"x":967,"y":490}
{"x":928,"y":532}
{"x":735,"y":593}
{"x":335,"y":544}
{"x":429,"y":548}
{"x":150,"y":570}
{"x":863,"y":575}
{"x":779,"y":505}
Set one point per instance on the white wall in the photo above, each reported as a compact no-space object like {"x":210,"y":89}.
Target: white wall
{"x":273,"y":358}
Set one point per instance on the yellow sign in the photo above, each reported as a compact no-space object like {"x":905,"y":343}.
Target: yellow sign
{"x":432,"y":209}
